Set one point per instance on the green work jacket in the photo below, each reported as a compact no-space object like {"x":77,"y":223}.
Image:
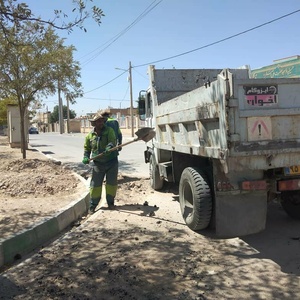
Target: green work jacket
{"x":94,"y":144}
{"x":114,"y":124}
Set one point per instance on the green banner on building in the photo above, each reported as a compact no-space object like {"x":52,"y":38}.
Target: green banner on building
{"x":283,"y":68}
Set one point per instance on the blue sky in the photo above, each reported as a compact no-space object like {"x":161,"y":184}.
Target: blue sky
{"x":171,"y":28}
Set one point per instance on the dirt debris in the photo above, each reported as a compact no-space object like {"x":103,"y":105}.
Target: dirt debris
{"x":144,"y":251}
{"x":32,"y":188}
{"x":35,"y":177}
{"x":37,"y":187}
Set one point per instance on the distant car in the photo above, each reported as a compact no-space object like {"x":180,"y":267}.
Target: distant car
{"x":33,"y":130}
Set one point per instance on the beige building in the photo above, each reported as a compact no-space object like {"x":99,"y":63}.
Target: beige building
{"x":82,"y":123}
{"x":42,"y":121}
{"x":123,"y":116}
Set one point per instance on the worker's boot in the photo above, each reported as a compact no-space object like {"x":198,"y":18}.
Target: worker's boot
{"x":110,"y":202}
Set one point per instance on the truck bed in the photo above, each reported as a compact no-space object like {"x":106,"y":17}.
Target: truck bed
{"x":233,"y":116}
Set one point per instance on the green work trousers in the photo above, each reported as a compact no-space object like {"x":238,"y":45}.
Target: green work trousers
{"x":100,"y":171}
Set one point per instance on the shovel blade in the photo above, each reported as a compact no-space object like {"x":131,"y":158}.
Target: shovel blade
{"x":146,"y":134}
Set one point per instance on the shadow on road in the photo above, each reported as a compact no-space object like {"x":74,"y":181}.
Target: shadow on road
{"x":280,"y":241}
{"x":9,"y":290}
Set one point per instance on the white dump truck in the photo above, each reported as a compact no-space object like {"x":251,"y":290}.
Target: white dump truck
{"x":232,"y":143}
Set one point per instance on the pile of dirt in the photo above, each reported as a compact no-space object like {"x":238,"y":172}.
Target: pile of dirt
{"x":34,"y":177}
{"x":32,"y":188}
{"x":37,"y":187}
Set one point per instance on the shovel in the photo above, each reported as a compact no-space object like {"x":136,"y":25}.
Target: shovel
{"x":145,"y":134}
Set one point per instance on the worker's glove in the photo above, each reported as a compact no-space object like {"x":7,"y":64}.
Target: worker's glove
{"x":86,"y":160}
{"x":120,"y":149}
{"x":108,"y":147}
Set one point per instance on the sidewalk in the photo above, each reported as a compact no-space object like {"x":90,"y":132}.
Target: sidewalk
{"x":29,"y":220}
{"x":15,"y":246}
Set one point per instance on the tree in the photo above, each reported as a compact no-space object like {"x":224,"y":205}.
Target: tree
{"x":54,"y":117}
{"x":17,"y":13}
{"x":34,"y":66}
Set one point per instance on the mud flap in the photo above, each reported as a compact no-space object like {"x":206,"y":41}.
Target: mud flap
{"x":239,"y":215}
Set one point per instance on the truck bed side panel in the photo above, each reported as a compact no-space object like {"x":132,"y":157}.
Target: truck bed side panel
{"x":192,"y":123}
{"x":169,"y":84}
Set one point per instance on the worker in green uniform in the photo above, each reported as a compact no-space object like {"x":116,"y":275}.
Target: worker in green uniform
{"x":114,"y":124}
{"x":100,"y":140}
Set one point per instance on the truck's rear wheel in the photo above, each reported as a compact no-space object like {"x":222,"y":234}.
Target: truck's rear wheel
{"x":290,"y":201}
{"x":155,"y":181}
{"x":195,"y":198}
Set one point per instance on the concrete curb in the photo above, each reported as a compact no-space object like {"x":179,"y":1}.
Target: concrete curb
{"x":23,"y":242}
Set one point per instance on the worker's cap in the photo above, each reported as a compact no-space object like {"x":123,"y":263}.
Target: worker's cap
{"x":97,"y":116}
{"x":105,"y":112}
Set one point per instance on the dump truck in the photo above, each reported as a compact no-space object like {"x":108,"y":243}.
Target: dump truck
{"x":230,"y":142}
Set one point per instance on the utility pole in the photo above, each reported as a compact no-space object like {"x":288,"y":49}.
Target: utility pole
{"x":131,"y":98}
{"x":131,"y":101}
{"x":60,"y":112}
{"x":68,"y":115}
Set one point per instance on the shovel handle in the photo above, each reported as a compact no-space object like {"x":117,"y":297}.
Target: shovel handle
{"x":113,"y":149}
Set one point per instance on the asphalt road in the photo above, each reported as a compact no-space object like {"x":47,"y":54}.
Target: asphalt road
{"x":68,"y":148}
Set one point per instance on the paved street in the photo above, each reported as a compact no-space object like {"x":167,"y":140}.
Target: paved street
{"x":68,"y":148}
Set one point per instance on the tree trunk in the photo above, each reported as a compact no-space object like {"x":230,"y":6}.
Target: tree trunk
{"x":23,"y":137}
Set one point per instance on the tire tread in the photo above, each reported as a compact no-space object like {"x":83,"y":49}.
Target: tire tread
{"x":202,"y":202}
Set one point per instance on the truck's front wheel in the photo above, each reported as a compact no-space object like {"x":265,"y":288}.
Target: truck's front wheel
{"x":155,"y":181}
{"x":195,"y":198}
{"x":290,"y":201}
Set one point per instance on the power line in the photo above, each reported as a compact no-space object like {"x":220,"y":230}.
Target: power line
{"x":197,"y":49}
{"x":125,"y":93}
{"x":140,"y":74}
{"x":112,"y":81}
{"x":219,"y":41}
{"x":105,"y":99}
{"x":106,"y":83}
{"x":114,"y":39}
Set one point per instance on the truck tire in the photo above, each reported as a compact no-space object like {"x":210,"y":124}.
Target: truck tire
{"x":290,"y":202}
{"x":195,"y":198}
{"x":155,"y":181}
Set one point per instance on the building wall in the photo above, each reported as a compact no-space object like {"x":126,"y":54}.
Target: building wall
{"x":83,"y":125}
{"x":282,"y":68}
{"x":42,"y":121}
{"x":124,"y":122}
{"x":74,"y":126}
